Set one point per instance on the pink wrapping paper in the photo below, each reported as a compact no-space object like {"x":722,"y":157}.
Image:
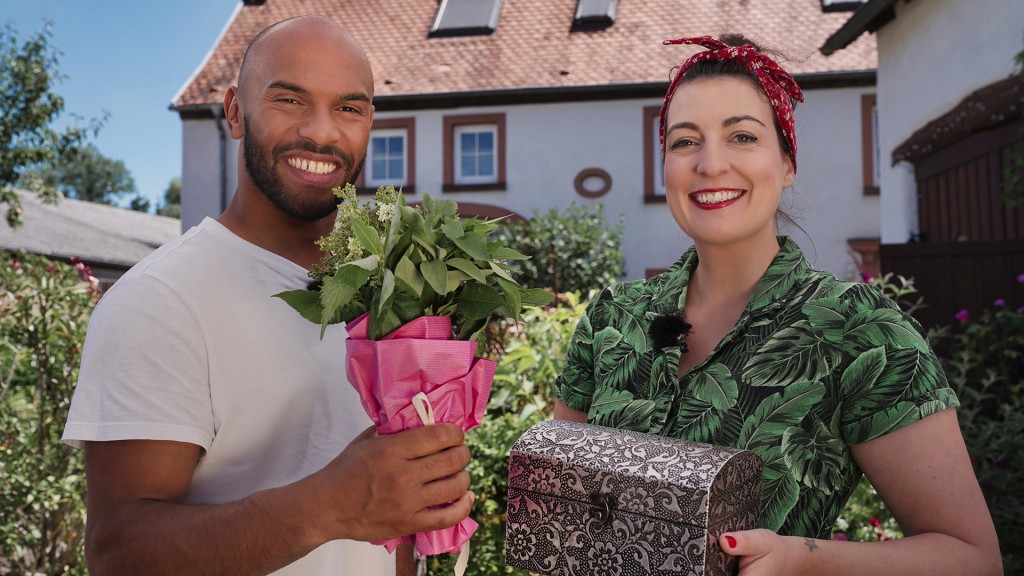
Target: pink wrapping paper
{"x":420,"y":356}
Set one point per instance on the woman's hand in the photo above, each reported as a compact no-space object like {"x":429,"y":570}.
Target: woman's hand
{"x":765,"y":553}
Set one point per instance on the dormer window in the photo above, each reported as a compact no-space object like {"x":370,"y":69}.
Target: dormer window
{"x":595,"y":13}
{"x":466,"y":18}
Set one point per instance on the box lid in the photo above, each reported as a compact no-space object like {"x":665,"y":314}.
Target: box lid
{"x":656,"y":476}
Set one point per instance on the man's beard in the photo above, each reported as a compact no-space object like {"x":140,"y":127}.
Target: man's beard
{"x":260,"y":167}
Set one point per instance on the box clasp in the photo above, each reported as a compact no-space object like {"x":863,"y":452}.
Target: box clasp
{"x":603,"y":509}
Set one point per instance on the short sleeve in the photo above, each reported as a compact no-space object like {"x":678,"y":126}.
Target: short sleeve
{"x":892,"y":377}
{"x":144,"y":370}
{"x":575,"y":385}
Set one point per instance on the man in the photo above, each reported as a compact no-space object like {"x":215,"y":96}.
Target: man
{"x":220,"y":434}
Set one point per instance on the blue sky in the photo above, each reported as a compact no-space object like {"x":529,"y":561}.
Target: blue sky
{"x":128,"y":58}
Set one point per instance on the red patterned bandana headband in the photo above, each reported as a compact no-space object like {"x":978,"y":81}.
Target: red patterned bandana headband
{"x":777,"y":83}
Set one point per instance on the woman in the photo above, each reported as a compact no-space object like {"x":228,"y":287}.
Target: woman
{"x":741,"y":343}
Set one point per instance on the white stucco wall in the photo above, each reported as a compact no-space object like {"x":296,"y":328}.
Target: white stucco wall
{"x":930,"y":57}
{"x":200,"y":171}
{"x":549,"y":144}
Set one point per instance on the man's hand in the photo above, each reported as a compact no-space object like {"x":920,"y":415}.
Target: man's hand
{"x":382,"y":487}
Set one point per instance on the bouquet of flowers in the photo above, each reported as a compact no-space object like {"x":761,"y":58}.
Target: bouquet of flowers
{"x":416,"y":286}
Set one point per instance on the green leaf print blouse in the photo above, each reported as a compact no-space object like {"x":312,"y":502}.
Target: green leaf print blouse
{"x":812,"y":366}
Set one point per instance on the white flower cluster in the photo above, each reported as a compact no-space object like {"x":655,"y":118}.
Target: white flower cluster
{"x":385,"y":212}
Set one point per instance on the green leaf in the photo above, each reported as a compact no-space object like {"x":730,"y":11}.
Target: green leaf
{"x":815,"y":458}
{"x":608,"y":399}
{"x":368,"y":263}
{"x":779,"y":490}
{"x":436,"y":274}
{"x":506,"y":253}
{"x":716,"y":386}
{"x":305,"y":302}
{"x":452,"y":228}
{"x":511,"y":292}
{"x":862,"y":374}
{"x":380,"y":307}
{"x":536,"y":297}
{"x":615,"y":358}
{"x":410,"y":275}
{"x":777,"y":280}
{"x":457,"y":278}
{"x":479,"y":301}
{"x":473,"y":244}
{"x":468,"y":267}
{"x":367,"y":237}
{"x":793,"y":354}
{"x":395,"y":226}
{"x":699,"y":421}
{"x":883,"y":327}
{"x":778,"y":412}
{"x":338,"y":290}
{"x":497,"y":269}
{"x":406,"y":304}
{"x":881,"y":423}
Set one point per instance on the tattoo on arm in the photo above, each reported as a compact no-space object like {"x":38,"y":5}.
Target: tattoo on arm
{"x":811,"y":544}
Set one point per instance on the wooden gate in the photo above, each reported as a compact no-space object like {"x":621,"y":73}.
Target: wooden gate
{"x":972,"y":249}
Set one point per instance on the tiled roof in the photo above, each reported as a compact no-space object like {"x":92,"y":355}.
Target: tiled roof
{"x":95,"y":233}
{"x":534,"y":45}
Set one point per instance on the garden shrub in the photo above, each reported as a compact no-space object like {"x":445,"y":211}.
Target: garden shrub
{"x":44,"y":309}
{"x":522,"y":396}
{"x":982,"y":354}
{"x":570,"y":250}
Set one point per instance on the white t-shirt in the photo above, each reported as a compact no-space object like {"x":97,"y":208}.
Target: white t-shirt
{"x":191,"y":346}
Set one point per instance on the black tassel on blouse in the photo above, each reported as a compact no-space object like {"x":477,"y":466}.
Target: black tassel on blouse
{"x":669,"y":330}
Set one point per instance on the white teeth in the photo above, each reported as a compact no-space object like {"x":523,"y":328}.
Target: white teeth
{"x":313,"y":167}
{"x":716,"y":197}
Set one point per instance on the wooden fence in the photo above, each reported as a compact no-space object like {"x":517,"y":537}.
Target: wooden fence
{"x":954,"y":276}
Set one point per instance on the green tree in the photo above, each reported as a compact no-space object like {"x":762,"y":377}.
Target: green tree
{"x":140,"y":203}
{"x":172,"y":200}
{"x":83,"y":174}
{"x":28,"y":105}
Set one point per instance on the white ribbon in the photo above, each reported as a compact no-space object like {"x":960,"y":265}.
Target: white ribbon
{"x":425,"y":411}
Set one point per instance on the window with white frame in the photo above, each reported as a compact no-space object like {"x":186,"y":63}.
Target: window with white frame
{"x":654,"y":166}
{"x":390,"y":156}
{"x":476,"y":154}
{"x":386,"y":158}
{"x":659,"y":160}
{"x":871,"y":158}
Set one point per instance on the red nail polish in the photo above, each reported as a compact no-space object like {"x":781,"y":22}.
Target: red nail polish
{"x":731,"y":541}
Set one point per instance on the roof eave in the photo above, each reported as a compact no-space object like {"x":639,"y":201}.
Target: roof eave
{"x":550,"y":94}
{"x":870,"y":17}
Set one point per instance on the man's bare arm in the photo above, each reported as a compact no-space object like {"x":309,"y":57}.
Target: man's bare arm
{"x":379,"y":487}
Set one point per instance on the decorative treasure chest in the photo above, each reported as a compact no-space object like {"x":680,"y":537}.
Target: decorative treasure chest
{"x":589,"y":500}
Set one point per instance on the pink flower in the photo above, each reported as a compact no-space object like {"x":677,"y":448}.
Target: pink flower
{"x":962,"y":315}
{"x":1020,"y":278}
{"x":999,"y":303}
{"x":875,"y":522}
{"x":841,"y":537}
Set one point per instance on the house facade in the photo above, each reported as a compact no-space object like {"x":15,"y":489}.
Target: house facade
{"x":538,"y":104}
{"x":950,"y":108}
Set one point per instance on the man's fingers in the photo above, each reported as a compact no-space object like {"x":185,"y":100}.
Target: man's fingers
{"x":445,"y":490}
{"x":419,"y":442}
{"x":439,"y":518}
